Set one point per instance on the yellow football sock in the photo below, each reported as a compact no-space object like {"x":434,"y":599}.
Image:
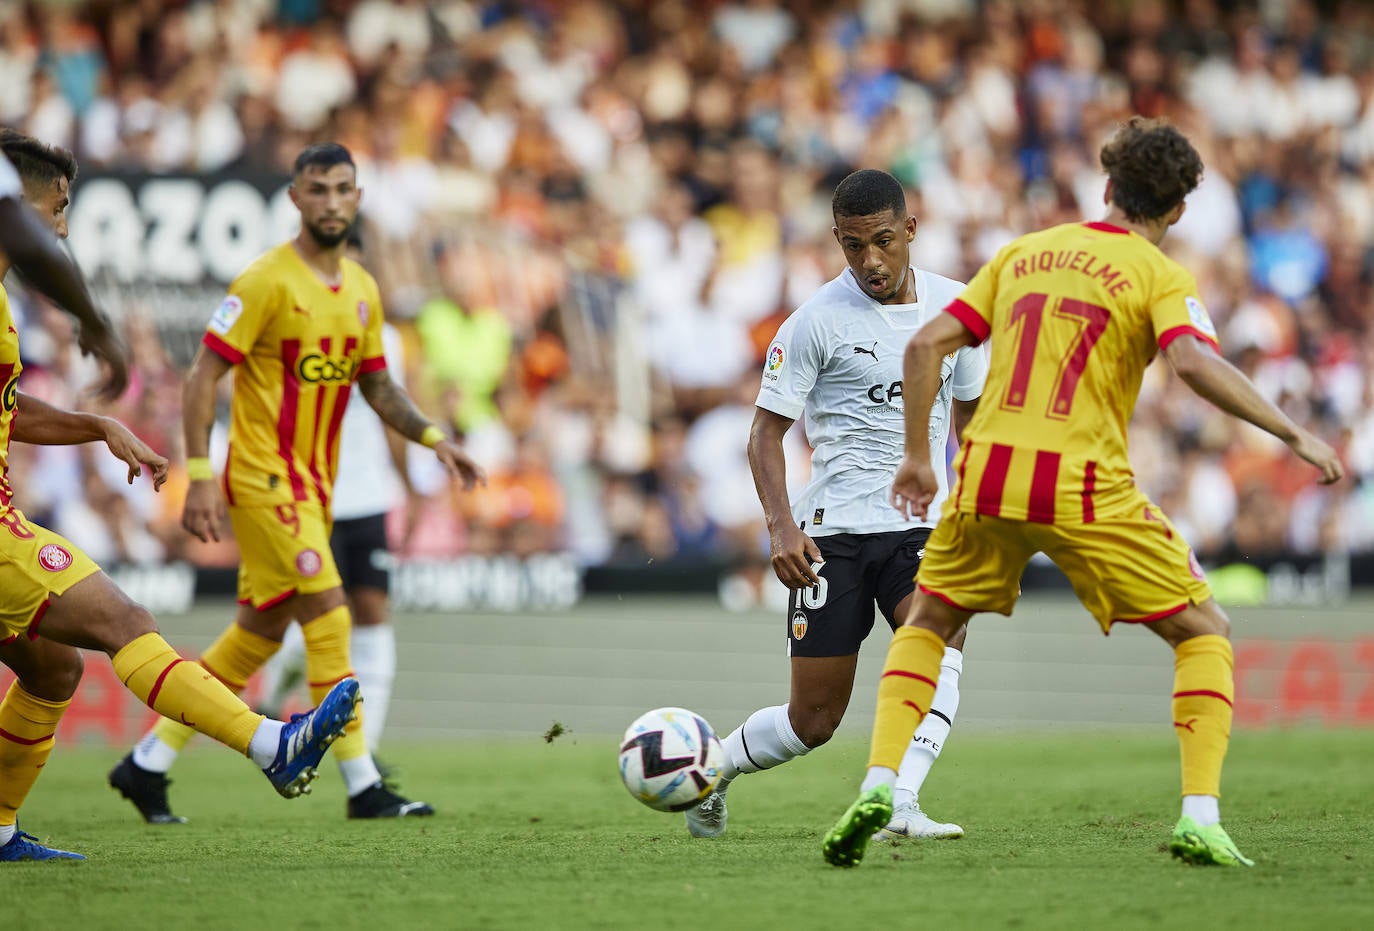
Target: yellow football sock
{"x":904,"y":693}
{"x":1203,"y":695}
{"x":232,"y":659}
{"x":27,"y":728}
{"x":326,"y":664}
{"x":180,"y":689}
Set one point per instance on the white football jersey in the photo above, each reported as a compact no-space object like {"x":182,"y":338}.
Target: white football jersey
{"x":838,"y":361}
{"x":10,"y":185}
{"x":366,"y":483}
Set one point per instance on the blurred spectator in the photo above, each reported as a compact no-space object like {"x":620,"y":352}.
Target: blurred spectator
{"x":591,"y":216}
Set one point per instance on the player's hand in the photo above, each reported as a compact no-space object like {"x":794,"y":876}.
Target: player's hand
{"x":102,"y":342}
{"x":795,"y":557}
{"x":913,"y":488}
{"x":459,"y":464}
{"x":203,"y":514}
{"x":1320,"y":455}
{"x":124,"y":445}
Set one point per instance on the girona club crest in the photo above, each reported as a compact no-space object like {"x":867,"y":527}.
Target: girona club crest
{"x":308,"y":563}
{"x":54,"y":558}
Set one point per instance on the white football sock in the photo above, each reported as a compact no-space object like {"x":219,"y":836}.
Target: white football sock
{"x":283,"y":672}
{"x":1204,"y":809}
{"x":877,"y":776}
{"x":6,"y":833}
{"x":262,"y":747}
{"x":930,"y":737}
{"x":359,"y":773}
{"x":764,"y":740}
{"x":152,"y":754}
{"x":374,"y":663}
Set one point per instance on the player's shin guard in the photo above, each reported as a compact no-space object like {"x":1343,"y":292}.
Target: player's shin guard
{"x":1203,"y":694}
{"x":232,"y":659}
{"x":374,"y":662}
{"x":904,"y":693}
{"x":28,"y":725}
{"x":765,"y":739}
{"x":326,"y":664}
{"x":929,"y":739}
{"x":182,"y":690}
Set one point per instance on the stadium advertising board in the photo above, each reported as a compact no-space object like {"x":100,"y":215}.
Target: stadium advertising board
{"x":176,"y":229}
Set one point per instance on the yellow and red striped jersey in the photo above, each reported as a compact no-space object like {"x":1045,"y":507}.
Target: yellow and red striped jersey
{"x":1075,"y":313}
{"x":298,"y":345}
{"x":10,"y":367}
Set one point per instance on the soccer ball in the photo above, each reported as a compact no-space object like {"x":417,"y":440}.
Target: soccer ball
{"x":670,"y":759}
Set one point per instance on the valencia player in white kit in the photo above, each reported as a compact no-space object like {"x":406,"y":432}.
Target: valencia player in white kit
{"x":841,"y":547}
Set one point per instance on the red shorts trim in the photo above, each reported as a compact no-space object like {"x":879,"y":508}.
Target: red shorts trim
{"x":272,"y":602}
{"x":1151,"y":617}
{"x":947,"y":600}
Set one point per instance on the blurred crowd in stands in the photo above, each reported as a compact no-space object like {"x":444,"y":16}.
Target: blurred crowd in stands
{"x":589,"y":216}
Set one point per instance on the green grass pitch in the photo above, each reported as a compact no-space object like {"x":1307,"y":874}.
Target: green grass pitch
{"x":1064,"y":831}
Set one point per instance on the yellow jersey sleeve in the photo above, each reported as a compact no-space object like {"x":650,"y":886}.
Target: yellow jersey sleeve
{"x":973,"y":307}
{"x":1176,"y":310}
{"x":253,"y":300}
{"x":374,"y":351}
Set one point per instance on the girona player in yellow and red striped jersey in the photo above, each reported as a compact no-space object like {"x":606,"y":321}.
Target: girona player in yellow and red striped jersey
{"x":301,"y":327}
{"x":1075,"y":313}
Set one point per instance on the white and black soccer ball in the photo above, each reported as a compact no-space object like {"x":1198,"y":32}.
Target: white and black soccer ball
{"x":670,"y":759}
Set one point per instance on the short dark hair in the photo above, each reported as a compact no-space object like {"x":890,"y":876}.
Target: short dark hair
{"x":322,"y":155}
{"x":37,"y":162}
{"x":1152,"y":166}
{"x":866,"y":192}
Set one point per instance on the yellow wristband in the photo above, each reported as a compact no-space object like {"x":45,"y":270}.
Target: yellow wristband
{"x":198,"y":469}
{"x":432,"y":436}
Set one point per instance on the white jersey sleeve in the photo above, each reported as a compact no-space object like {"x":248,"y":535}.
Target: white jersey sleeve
{"x":970,"y":372}
{"x":794,"y":361}
{"x":9,"y":180}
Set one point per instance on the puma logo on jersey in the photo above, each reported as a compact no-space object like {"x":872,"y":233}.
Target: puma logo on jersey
{"x":858,"y":350}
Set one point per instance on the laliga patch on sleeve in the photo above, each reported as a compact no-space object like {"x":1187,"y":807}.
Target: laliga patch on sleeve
{"x":226,"y":315}
{"x":1198,"y":314}
{"x":773,"y":364}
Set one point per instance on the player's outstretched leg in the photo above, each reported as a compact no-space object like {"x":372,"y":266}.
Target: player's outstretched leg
{"x":23,"y":846}
{"x":846,"y":842}
{"x":908,"y":820}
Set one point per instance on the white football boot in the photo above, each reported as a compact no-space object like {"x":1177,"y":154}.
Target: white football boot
{"x":908,"y":821}
{"x":708,"y":818}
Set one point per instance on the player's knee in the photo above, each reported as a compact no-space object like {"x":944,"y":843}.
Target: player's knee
{"x":131,"y":622}
{"x":56,"y":678}
{"x":816,"y":727}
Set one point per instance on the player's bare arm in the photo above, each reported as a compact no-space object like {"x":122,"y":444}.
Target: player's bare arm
{"x":399,"y":412}
{"x":962,"y":412}
{"x":915,"y":484}
{"x":203,"y":514}
{"x":41,"y":424}
{"x":792,"y":552}
{"x":33,"y":248}
{"x":1212,"y":377}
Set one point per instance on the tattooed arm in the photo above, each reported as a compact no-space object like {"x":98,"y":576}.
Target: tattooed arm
{"x":399,"y":412}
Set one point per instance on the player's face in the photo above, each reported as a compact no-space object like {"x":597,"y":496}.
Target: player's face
{"x":878,"y":250}
{"x":328,"y":201}
{"x":51,"y":204}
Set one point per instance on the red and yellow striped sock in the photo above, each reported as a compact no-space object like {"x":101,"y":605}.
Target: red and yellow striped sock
{"x":180,"y":689}
{"x":232,"y":659}
{"x":1203,"y":696}
{"x":327,"y":662}
{"x":904,"y":693}
{"x":28,"y":727}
